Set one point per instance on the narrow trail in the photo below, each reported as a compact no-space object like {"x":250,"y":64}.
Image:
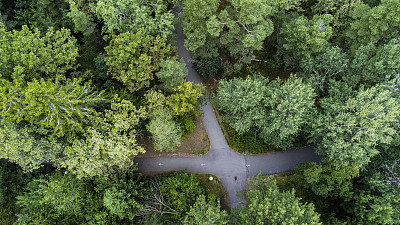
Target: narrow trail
{"x":230,"y":167}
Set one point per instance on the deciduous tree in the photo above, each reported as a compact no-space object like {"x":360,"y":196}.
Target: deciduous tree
{"x":349,"y":132}
{"x":172,"y":74}
{"x":62,"y":108}
{"x":275,"y":110}
{"x":266,"y":204}
{"x":133,"y":15}
{"x":109,"y":145}
{"x":134,"y":58}
{"x":166,"y":133}
{"x":28,"y":54}
{"x":206,"y":213}
{"x":301,"y":38}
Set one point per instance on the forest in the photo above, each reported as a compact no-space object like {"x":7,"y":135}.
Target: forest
{"x":83,"y":81}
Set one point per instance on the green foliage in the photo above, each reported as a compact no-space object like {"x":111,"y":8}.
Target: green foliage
{"x":246,"y":143}
{"x":109,"y":144}
{"x":11,"y":182}
{"x":374,"y":25}
{"x":186,"y":99}
{"x":243,"y":26}
{"x":134,"y":58}
{"x":266,"y":204}
{"x":373,"y":65}
{"x":155,"y":101}
{"x":62,"y":108}
{"x":26,"y":146}
{"x":172,"y":74}
{"x":205,"y":213}
{"x":101,"y":67}
{"x":276,"y":111}
{"x":348,"y":132}
{"x":181,"y":191}
{"x":195,"y":14}
{"x":320,"y":69}
{"x":27,"y":54}
{"x":377,"y":199}
{"x":188,"y":124}
{"x":123,"y":196}
{"x":81,"y":16}
{"x":301,"y":38}
{"x":62,"y":193}
{"x":339,"y":9}
{"x":328,"y":180}
{"x":240,"y":26}
{"x":207,"y":67}
{"x":42,"y":14}
{"x":165,"y":132}
{"x":134,"y":15}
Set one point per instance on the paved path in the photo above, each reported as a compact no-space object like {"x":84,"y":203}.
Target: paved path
{"x":230,"y":167}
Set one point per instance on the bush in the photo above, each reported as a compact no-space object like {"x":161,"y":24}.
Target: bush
{"x":181,"y":191}
{"x":207,"y":67}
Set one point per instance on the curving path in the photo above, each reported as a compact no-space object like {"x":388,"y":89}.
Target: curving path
{"x":230,"y":167}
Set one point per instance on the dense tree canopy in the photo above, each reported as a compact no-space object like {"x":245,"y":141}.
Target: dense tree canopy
{"x":109,"y":145}
{"x":266,"y":204}
{"x":349,"y":133}
{"x":133,"y":15}
{"x":28,"y":54}
{"x":133,"y":58}
{"x":274,"y":110}
{"x":55,"y":56}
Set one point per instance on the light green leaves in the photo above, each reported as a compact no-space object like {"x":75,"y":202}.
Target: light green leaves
{"x":27,"y":54}
{"x":109,"y":145}
{"x":133,"y":15}
{"x":206,"y":213}
{"x":166,"y":133}
{"x":134,"y":58}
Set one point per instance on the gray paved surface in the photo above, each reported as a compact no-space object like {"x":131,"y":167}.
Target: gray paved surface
{"x":231,"y":168}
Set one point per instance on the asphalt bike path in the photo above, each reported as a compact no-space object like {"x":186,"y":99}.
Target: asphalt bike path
{"x":231,"y":168}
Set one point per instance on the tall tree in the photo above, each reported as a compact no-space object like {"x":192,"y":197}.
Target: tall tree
{"x":42,"y":14}
{"x":109,"y":145}
{"x":372,"y":65}
{"x":377,"y":24}
{"x":134,"y":58}
{"x":64,"y":109}
{"x":181,"y":191}
{"x":206,"y":213}
{"x":166,"y":133}
{"x":266,"y":204}
{"x":172,"y":74}
{"x":349,"y":132}
{"x":186,"y":99}
{"x":58,"y":192}
{"x":276,"y":111}
{"x":28,"y":54}
{"x":123,"y":196}
{"x":26,"y":146}
{"x":300,"y":38}
{"x":243,"y":26}
{"x":240,"y":26}
{"x":194,"y":15}
{"x":133,"y":15}
{"x":318,"y":70}
{"x":328,"y":180}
